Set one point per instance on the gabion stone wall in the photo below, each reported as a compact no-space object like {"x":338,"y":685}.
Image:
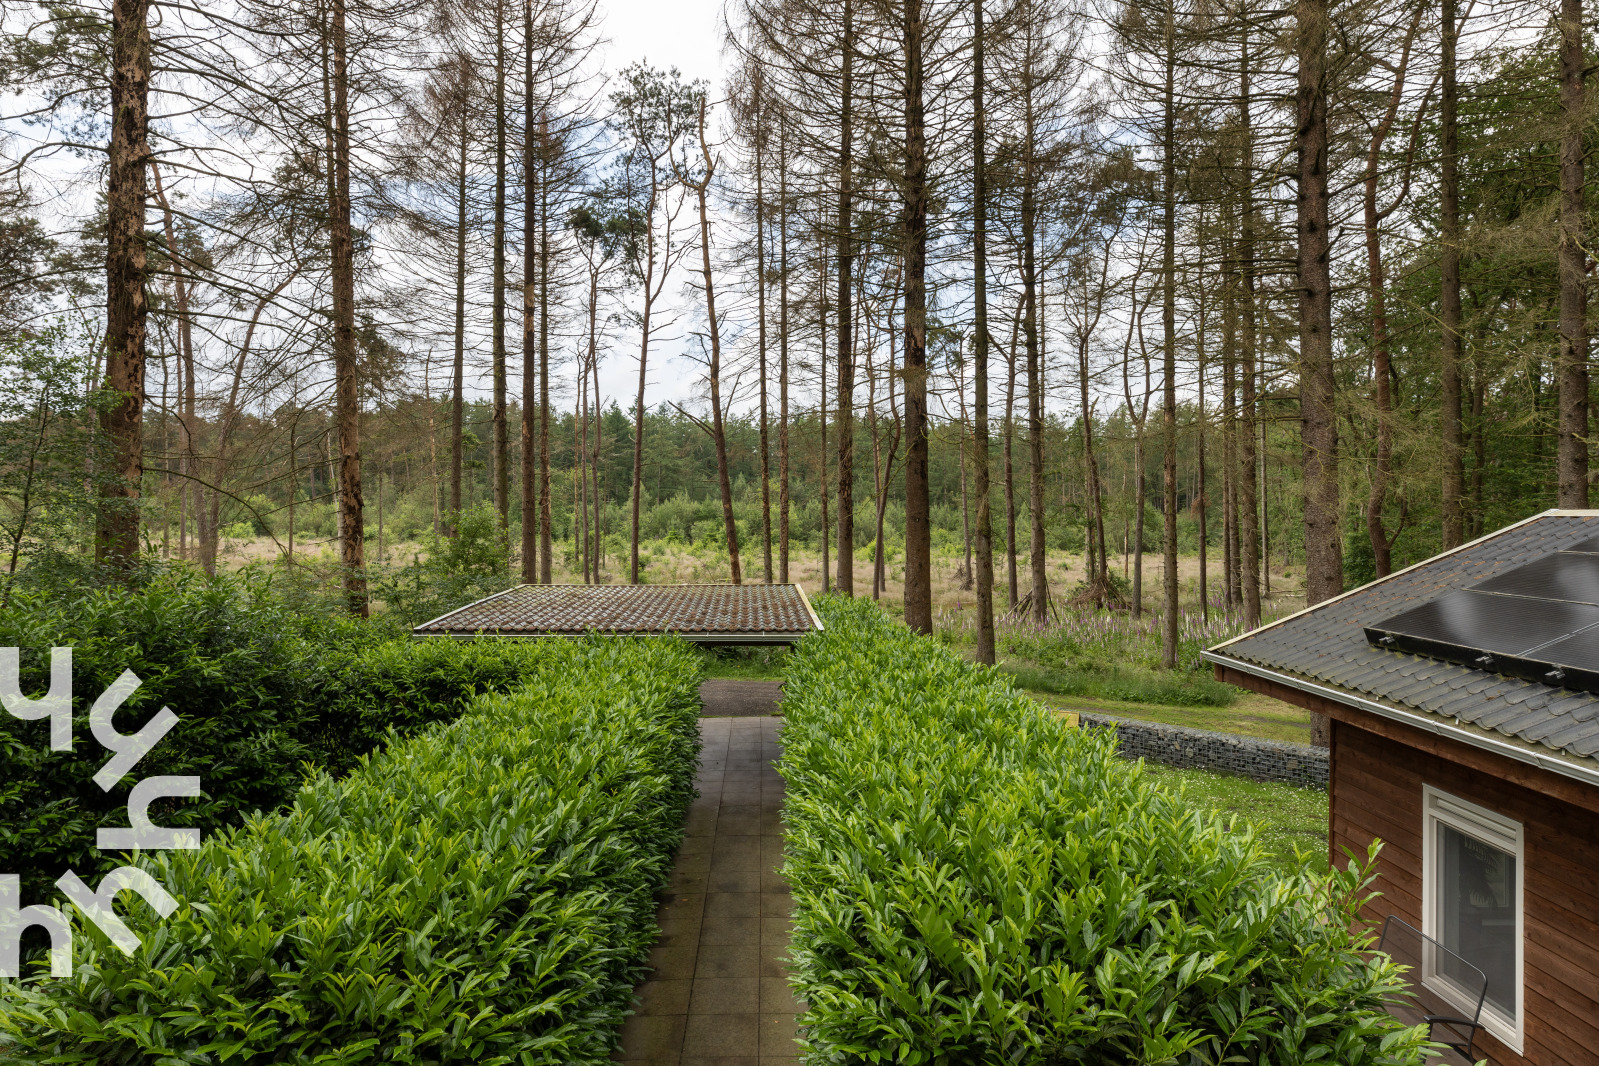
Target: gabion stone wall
{"x":1201,"y":749}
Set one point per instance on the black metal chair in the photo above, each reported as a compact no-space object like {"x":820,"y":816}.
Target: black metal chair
{"x":1432,"y":967}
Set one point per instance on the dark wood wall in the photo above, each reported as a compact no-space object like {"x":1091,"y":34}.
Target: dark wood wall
{"x":1376,"y":788}
{"x":1375,"y":792}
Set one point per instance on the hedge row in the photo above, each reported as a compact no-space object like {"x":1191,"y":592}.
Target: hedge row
{"x":482,"y":892}
{"x":974,"y":882}
{"x":259,"y":690}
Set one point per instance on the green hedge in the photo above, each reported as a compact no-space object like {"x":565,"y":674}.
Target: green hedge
{"x":260,"y":692}
{"x":975,"y":882}
{"x":480,"y":893}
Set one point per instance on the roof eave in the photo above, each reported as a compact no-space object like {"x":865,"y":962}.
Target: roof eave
{"x":1545,"y":760}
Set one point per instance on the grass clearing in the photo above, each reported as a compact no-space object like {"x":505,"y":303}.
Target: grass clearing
{"x":1251,"y":715}
{"x":1285,"y":817}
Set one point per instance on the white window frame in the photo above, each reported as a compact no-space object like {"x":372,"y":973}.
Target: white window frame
{"x":1506,"y":834}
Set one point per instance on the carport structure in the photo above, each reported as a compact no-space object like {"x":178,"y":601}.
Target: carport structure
{"x":704,"y":614}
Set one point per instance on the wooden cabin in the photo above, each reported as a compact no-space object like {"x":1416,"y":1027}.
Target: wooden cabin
{"x":1463,"y":694}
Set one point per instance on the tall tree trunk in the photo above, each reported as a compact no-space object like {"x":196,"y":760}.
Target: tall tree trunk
{"x":1317,"y":414}
{"x":1012,"y":577}
{"x":1168,"y":322}
{"x":530,"y":195}
{"x":546,"y":517}
{"x":1571,"y":459}
{"x":1249,"y":561}
{"x":651,"y":290}
{"x":760,"y":343}
{"x":352,"y":530}
{"x":594,"y":466}
{"x":501,"y":446}
{"x":782,"y":355}
{"x":980,"y":446}
{"x":1229,"y":420}
{"x":1099,"y":577}
{"x":458,"y":381}
{"x":1035,"y":375}
{"x":1381,"y":356}
{"x":718,"y":430}
{"x":918,"y":524}
{"x":117,"y":520}
{"x":846,"y":342}
{"x":821,"y":417}
{"x":1449,"y":352}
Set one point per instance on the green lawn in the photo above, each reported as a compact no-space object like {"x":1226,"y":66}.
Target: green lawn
{"x":1250,"y":715}
{"x":1284,"y":816}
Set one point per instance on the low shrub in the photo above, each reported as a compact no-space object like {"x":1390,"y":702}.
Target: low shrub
{"x":1134,"y":686}
{"x":261,"y":694}
{"x":483,"y":892}
{"x":976,"y":882}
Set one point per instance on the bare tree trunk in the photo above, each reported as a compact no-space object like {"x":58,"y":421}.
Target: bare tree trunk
{"x":205,"y":526}
{"x":580,"y":476}
{"x":1572,"y":450}
{"x":918,"y":525}
{"x":1099,"y":578}
{"x":500,"y":448}
{"x":594,"y":466}
{"x":967,"y":578}
{"x":530,"y":195}
{"x":117,"y":520}
{"x":1381,"y":356}
{"x":1010,"y":467}
{"x":1319,"y":427}
{"x":1249,"y":560}
{"x":980,"y":446}
{"x":1168,"y":321}
{"x":760,"y":344}
{"x":846,"y":342}
{"x":1229,"y":437}
{"x":352,"y":528}
{"x":821,"y":417}
{"x":1035,"y":373}
{"x":718,"y":430}
{"x":546,"y":518}
{"x":458,"y":382}
{"x":1449,"y":351}
{"x":1318,"y":417}
{"x":782,"y":356}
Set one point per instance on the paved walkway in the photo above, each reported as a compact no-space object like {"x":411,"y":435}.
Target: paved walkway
{"x":718,"y":996}
{"x":726,"y":697}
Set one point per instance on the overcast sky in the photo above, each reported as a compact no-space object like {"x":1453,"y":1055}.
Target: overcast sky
{"x":667,"y":33}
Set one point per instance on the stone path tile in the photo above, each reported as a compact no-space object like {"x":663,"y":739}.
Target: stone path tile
{"x":718,"y":996}
{"x":725,"y":697}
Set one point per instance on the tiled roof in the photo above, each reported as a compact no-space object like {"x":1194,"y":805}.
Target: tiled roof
{"x":1328,"y":645}
{"x":712,"y":611}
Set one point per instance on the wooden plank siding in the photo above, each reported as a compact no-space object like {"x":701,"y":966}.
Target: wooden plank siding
{"x":1378,"y":768}
{"x":1377,"y":785}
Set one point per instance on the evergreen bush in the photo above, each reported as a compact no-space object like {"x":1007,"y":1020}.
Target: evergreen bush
{"x":976,"y":882}
{"x":483,"y":892}
{"x":261,"y":693}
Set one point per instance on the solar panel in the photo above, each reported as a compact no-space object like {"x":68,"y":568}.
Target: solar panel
{"x":1539,"y":621}
{"x":1562,"y":576}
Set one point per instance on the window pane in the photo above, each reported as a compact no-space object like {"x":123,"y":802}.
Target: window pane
{"x":1477,"y":912}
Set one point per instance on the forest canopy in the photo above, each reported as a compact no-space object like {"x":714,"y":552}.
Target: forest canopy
{"x":1303,"y":286}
